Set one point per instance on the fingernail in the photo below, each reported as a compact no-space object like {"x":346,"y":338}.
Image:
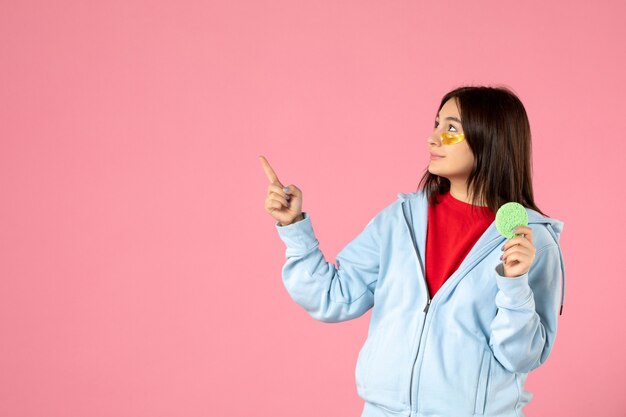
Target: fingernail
{"x":287,"y":197}
{"x":502,"y":248}
{"x":500,"y":257}
{"x":286,"y":189}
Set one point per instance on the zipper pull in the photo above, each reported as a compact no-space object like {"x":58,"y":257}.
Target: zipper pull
{"x":427,"y":306}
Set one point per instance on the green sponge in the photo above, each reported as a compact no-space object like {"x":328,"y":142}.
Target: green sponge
{"x":508,"y":217}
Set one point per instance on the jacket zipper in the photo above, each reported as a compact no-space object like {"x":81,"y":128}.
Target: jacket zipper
{"x":409,"y":224}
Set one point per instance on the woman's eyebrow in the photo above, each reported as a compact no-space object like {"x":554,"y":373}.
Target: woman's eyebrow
{"x":451,"y":118}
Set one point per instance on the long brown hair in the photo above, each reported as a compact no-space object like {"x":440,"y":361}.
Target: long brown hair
{"x":497,"y":131}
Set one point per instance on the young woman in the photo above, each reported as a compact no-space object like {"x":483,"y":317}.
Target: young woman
{"x":460,"y":314}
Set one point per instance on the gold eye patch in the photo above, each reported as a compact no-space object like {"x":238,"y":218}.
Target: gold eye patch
{"x":452,"y":138}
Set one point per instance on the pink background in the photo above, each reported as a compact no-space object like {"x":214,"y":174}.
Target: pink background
{"x":139,"y":272}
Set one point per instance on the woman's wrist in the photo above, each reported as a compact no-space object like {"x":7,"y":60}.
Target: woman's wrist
{"x":298,"y":218}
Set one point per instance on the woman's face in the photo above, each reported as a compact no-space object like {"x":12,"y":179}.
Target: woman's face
{"x":454,"y":161}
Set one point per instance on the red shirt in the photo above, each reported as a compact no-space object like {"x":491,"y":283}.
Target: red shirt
{"x":452,"y":231}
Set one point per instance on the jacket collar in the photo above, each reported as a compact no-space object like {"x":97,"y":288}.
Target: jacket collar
{"x":418,"y":207}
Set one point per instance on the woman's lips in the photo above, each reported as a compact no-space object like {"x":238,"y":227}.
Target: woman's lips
{"x":433,"y":157}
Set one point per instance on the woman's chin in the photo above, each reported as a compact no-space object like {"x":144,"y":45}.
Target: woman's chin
{"x":432,"y":170}
{"x":438,"y":173}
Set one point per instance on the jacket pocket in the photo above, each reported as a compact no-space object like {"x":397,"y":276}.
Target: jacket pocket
{"x":483,"y":379}
{"x":364,"y":359}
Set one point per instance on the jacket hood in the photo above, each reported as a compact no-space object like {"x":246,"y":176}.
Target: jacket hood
{"x":555,"y":227}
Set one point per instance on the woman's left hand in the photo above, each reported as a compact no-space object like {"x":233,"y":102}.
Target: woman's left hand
{"x":518,"y":253}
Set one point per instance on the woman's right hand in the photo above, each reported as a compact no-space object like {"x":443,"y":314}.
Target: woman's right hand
{"x":285,"y":207}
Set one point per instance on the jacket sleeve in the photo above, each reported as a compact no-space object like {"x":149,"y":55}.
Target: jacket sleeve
{"x":524,"y":328}
{"x":327,"y":292}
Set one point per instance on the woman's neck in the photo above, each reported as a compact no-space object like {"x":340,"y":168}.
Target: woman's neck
{"x":460,"y":192}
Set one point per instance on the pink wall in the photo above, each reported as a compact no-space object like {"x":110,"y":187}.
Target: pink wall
{"x":141,"y":276}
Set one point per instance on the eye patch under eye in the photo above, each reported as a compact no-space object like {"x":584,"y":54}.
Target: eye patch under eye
{"x":452,"y":138}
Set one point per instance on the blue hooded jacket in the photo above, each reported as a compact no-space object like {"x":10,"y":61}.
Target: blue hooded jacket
{"x":467,"y":351}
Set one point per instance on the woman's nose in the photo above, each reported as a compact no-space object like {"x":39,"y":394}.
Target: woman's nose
{"x":434,"y":139}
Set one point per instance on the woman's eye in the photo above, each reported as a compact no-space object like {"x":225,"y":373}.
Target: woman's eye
{"x":452,"y":128}
{"x":436,"y":124}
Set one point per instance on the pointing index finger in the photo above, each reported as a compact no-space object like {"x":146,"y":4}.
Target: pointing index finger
{"x":269,"y":172}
